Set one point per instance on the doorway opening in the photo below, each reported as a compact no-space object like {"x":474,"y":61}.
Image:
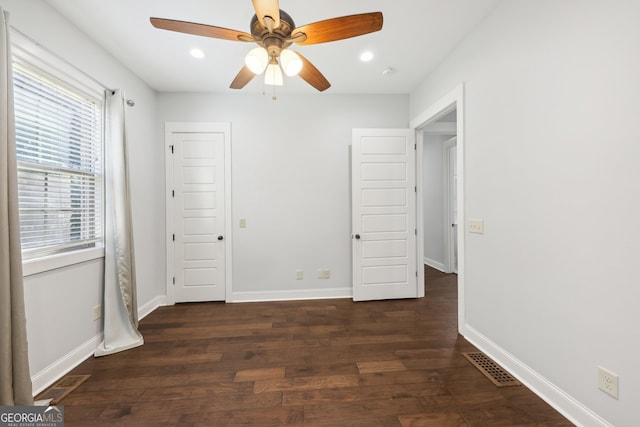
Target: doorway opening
{"x":439,"y":164}
{"x":436,"y":129}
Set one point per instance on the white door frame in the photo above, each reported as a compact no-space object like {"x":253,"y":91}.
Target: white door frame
{"x":449,"y":244}
{"x":196,"y":127}
{"x":454,"y":100}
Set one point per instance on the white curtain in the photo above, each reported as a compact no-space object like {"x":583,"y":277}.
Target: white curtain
{"x":15,"y":378}
{"x":120,"y":320}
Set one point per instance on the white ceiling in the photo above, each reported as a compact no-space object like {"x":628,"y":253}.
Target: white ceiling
{"x":416,"y":36}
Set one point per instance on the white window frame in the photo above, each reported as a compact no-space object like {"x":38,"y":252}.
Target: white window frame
{"x":31,"y":54}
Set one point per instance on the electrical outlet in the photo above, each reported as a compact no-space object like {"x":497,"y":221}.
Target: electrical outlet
{"x":324,"y":273}
{"x":243,"y":223}
{"x":476,"y":226}
{"x":299,"y":274}
{"x":608,"y":381}
{"x":97,"y":311}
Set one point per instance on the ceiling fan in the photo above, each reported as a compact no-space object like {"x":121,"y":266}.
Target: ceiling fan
{"x":274,"y":31}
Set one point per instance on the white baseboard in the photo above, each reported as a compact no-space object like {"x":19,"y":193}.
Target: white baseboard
{"x":434,"y":264}
{"x":62,"y":366}
{"x":573,"y":410}
{"x":148,"y":308}
{"x":297,"y":294}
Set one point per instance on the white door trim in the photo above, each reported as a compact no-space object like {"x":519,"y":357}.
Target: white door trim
{"x":449,"y":102}
{"x":196,"y":127}
{"x":449,"y":244}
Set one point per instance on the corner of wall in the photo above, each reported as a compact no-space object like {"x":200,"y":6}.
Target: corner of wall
{"x":52,"y":373}
{"x":573,"y":410}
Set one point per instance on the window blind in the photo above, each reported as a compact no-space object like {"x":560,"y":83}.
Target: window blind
{"x":59,"y":153}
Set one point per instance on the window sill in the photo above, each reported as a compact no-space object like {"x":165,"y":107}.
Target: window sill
{"x":40,"y":265}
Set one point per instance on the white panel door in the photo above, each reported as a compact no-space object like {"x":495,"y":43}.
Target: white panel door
{"x":199,"y":216}
{"x":384,"y":214}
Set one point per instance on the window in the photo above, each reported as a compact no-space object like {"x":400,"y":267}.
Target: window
{"x":59,"y":153}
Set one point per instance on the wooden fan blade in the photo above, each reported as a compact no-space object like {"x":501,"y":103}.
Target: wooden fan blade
{"x":339,"y":28}
{"x":244,"y":76}
{"x":312,"y":75}
{"x":267,"y":8}
{"x":200,"y":29}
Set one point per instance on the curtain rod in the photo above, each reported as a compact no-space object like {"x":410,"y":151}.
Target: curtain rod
{"x":130,"y":102}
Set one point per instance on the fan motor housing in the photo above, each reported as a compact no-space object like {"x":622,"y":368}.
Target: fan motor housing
{"x":277,"y":40}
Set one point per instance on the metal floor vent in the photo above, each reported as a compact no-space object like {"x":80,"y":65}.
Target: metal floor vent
{"x":491,"y":369}
{"x":62,"y":388}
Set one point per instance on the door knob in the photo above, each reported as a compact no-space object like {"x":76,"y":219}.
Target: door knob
{"x":357,"y":236}
{"x":220,"y":237}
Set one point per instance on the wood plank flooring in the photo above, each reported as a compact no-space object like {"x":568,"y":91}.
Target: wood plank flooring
{"x":312,"y":363}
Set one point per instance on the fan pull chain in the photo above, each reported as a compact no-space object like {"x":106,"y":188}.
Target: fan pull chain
{"x":264,"y":91}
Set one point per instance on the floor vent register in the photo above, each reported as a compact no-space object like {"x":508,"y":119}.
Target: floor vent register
{"x":59,"y":390}
{"x":491,"y":369}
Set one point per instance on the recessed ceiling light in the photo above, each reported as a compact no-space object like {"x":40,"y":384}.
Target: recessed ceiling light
{"x":366,"y":56}
{"x":197,"y":53}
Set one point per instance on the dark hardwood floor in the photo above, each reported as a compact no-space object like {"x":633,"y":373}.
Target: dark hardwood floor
{"x":316,"y":363}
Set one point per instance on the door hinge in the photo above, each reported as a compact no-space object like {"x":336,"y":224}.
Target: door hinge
{"x":174,"y":280}
{"x":415,"y":189}
{"x":173,"y":237}
{"x":415,"y":146}
{"x":173,"y":193}
{"x":171,"y":146}
{"x":415,"y":231}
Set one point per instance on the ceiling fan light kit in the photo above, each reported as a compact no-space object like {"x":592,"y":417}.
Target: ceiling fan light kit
{"x":273,"y":75}
{"x":274,"y":31}
{"x":290,"y":62}
{"x":257,"y":60}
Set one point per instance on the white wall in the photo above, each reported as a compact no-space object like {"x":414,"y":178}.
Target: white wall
{"x":291,"y":182}
{"x":59,"y":302}
{"x":551,"y":164}
{"x":433,"y":199}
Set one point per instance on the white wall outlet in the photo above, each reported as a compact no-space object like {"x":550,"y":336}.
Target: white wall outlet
{"x":608,"y":381}
{"x":97,"y":311}
{"x":476,"y":226}
{"x":324,"y":273}
{"x":243,"y":223}
{"x":299,"y":274}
